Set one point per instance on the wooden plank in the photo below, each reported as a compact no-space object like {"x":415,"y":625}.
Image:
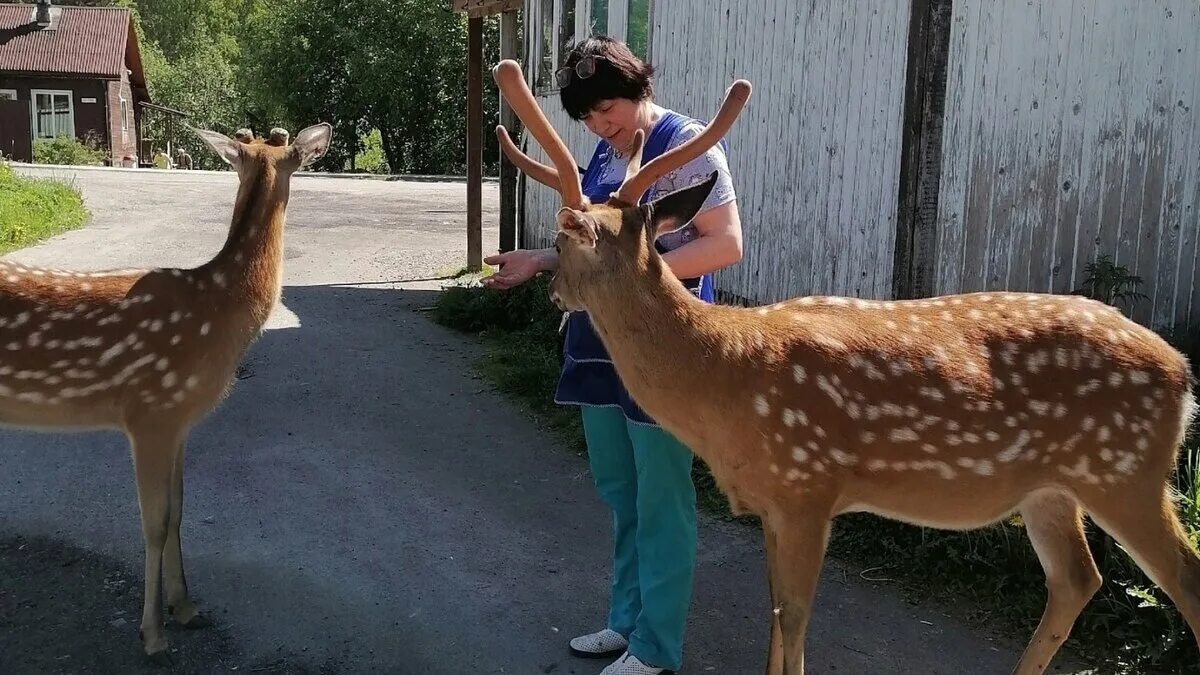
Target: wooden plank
{"x":508,"y":172}
{"x":476,"y":9}
{"x":474,"y":144}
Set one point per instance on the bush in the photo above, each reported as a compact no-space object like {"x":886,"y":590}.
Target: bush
{"x":68,"y":151}
{"x":34,"y":209}
{"x":371,"y":159}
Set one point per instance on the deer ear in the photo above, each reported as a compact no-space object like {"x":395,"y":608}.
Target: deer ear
{"x":225,"y":147}
{"x":676,"y":209}
{"x":312,"y":143}
{"x":577,"y":226}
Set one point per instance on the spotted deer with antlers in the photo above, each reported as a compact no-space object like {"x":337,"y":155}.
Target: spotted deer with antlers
{"x":950,"y":412}
{"x":152,"y":352}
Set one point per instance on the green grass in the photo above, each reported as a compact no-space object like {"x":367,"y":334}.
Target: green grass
{"x":990,"y":577}
{"x":33,"y":209}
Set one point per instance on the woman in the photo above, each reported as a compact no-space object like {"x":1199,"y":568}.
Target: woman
{"x":641,"y":471}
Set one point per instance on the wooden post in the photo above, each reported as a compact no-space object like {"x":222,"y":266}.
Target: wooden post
{"x":508,"y":172}
{"x":921,"y":149}
{"x":474,"y":144}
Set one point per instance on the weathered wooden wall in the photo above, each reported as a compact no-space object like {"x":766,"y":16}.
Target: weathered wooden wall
{"x":815,"y":155}
{"x":1073,"y":130}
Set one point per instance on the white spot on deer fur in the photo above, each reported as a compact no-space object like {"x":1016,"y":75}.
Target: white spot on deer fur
{"x":819,"y":431}
{"x":799,"y":454}
{"x":760,"y":402}
{"x":984,"y":467}
{"x":205,"y":327}
{"x":903,"y":434}
{"x":933,"y":393}
{"x":876,"y":465}
{"x":111,"y":353}
{"x":778,"y":437}
{"x":829,"y":390}
{"x":1013,"y":451}
{"x":169,"y":380}
{"x":12,"y":278}
{"x":1089,"y":423}
{"x":175,"y":339}
{"x":867,"y":437}
{"x":789,"y":418}
{"x":1106,"y":454}
{"x":843,"y":458}
{"x":1143,"y":444}
{"x":799,"y":373}
{"x":1139,"y":377}
{"x":792,"y":474}
{"x":774,"y":468}
{"x":178,"y":396}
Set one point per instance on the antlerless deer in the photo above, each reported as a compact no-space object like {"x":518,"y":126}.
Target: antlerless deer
{"x":152,"y":352}
{"x":950,"y":412}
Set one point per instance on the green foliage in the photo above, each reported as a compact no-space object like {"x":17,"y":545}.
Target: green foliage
{"x":69,"y":151}
{"x":371,"y":158}
{"x":1110,"y":283}
{"x":34,"y":209}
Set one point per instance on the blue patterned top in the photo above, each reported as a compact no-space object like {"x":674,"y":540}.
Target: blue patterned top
{"x":588,"y":375}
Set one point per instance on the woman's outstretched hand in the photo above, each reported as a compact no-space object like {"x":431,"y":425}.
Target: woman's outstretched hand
{"x":517,"y":267}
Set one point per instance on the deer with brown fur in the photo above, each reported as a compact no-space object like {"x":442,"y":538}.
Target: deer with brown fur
{"x":950,"y":412}
{"x":151,"y":352}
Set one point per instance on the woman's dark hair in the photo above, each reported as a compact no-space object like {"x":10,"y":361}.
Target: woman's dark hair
{"x":619,"y":74}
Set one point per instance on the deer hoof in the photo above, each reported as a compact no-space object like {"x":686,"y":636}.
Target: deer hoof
{"x":161,"y":658}
{"x":196,"y":622}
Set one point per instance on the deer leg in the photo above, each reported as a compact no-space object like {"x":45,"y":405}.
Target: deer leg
{"x":775,"y":655}
{"x":179,"y":602}
{"x":1150,"y":531}
{"x":153,"y":460}
{"x":1054,"y":523}
{"x":800,"y":545}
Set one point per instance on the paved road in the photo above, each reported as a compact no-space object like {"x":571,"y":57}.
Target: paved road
{"x":363,"y":502}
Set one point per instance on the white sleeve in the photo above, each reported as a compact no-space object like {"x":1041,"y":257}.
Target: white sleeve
{"x":699,"y":169}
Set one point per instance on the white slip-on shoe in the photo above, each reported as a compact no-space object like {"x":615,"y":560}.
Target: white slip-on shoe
{"x":601,"y":644}
{"x":629,"y":664}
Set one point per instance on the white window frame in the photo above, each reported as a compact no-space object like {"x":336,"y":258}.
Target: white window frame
{"x":618,"y":27}
{"x":33,"y":112}
{"x":124,"y":120}
{"x":13,"y":93}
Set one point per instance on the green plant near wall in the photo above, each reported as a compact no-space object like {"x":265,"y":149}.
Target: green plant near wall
{"x":1111,"y":283}
{"x":65,"y":150}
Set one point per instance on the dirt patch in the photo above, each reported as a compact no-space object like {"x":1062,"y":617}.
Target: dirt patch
{"x":67,"y":610}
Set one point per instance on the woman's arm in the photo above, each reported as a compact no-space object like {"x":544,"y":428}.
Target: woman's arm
{"x":718,"y":246}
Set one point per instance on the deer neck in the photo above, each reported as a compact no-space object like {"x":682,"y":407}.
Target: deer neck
{"x":662,"y":339}
{"x":251,"y":261}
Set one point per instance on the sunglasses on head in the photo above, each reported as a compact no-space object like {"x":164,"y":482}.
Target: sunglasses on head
{"x":583,"y":69}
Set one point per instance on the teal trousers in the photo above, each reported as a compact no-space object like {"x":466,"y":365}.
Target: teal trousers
{"x":644,"y":474}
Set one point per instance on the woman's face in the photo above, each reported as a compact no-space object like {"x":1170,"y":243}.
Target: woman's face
{"x":615,"y":120}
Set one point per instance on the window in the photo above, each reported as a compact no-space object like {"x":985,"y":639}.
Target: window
{"x":560,"y":22}
{"x":598,"y":21}
{"x":8,"y":94}
{"x":124,"y":120}
{"x":53,"y":114}
{"x":637,"y":30}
